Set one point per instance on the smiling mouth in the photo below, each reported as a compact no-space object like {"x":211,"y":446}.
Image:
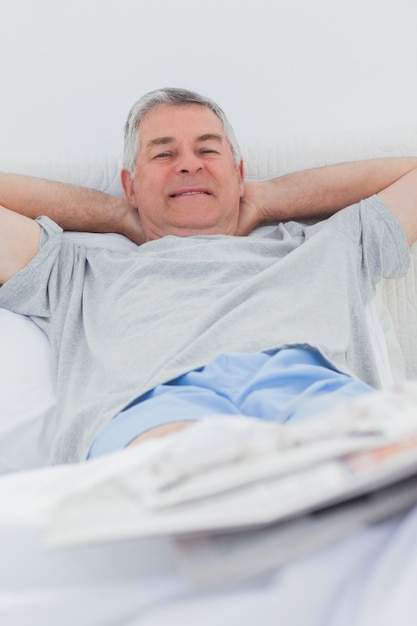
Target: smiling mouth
{"x":190,"y":193}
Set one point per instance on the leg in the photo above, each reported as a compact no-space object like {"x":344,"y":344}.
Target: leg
{"x":294,"y":384}
{"x":166,"y":408}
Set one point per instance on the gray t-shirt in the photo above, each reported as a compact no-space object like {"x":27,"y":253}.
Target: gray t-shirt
{"x":120,"y":324}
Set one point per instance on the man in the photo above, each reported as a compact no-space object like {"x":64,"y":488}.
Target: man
{"x":201,"y":320}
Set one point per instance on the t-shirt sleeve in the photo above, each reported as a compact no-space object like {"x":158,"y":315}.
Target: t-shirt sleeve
{"x":385,"y":249}
{"x":46,"y":279}
{"x":376,"y":238}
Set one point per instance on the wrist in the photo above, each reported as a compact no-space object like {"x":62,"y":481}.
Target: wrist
{"x":284,"y":199}
{"x":268,"y":201}
{"x":126,"y":220}
{"x":117,"y":214}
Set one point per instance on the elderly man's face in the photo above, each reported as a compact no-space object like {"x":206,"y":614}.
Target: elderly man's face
{"x":186,"y":180}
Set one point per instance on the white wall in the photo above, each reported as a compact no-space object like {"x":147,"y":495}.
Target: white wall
{"x":70,"y":70}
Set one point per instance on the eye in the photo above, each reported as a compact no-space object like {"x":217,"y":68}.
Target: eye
{"x":162,"y":156}
{"x":208,"y":151}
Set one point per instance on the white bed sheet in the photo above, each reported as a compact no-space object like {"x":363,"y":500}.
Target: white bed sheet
{"x":367,"y":578}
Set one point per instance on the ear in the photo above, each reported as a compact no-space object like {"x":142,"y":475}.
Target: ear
{"x":127,"y":184}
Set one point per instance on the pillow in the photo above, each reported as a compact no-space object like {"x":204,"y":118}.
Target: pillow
{"x":27,"y":400}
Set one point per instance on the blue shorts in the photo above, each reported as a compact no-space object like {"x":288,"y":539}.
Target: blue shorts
{"x":277,"y":386}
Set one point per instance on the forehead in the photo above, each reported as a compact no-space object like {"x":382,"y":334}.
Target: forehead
{"x":179,"y":121}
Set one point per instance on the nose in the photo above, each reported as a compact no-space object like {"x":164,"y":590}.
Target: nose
{"x":188,"y":163}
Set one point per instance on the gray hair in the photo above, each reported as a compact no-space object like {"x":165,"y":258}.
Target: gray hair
{"x":172,"y":96}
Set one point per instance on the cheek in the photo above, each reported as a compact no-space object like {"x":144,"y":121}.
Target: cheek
{"x":234,"y":194}
{"x":146,"y":189}
{"x":150,"y":199}
{"x":154,"y":183}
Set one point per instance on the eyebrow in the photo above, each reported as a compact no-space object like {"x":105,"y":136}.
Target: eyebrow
{"x":160,"y":141}
{"x":163,"y":141}
{"x":210,"y":136}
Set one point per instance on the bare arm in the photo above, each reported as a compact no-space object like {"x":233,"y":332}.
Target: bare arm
{"x":72,"y":207}
{"x":19,"y":242}
{"x":323,"y":191}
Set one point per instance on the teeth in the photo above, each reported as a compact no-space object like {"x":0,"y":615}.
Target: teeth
{"x":190,"y":193}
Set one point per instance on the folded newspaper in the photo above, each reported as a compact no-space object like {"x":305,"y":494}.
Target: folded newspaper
{"x":239,"y":496}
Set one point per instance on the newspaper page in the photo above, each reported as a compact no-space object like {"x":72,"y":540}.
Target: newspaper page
{"x":229,"y":488}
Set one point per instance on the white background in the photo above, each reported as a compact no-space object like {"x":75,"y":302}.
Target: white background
{"x":70,"y":70}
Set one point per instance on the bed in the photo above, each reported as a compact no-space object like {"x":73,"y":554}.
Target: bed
{"x":366,"y":578}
